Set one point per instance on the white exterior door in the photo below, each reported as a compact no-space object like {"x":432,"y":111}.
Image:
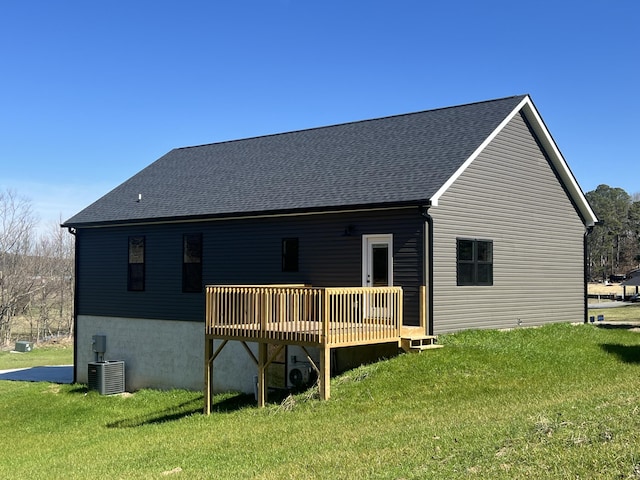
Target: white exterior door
{"x":377,"y":260}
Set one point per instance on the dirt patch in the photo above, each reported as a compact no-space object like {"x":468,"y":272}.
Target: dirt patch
{"x":54,"y":388}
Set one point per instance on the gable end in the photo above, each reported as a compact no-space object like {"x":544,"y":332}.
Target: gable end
{"x":547,"y":144}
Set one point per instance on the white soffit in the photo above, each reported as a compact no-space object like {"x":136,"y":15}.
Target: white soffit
{"x":549,"y":145}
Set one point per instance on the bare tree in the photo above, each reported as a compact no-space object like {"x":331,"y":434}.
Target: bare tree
{"x":52,"y":302}
{"x":18,"y":277}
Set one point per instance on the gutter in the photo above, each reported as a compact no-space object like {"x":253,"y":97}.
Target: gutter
{"x":210,"y":217}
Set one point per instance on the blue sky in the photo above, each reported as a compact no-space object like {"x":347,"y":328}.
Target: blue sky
{"x":92,"y":92}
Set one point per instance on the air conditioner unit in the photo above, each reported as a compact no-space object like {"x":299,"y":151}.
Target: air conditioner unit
{"x":24,"y":346}
{"x":106,"y":377}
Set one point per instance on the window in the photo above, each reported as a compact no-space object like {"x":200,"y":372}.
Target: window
{"x":475,"y":262}
{"x":135,"y":279}
{"x":289,"y":254}
{"x":192,"y":263}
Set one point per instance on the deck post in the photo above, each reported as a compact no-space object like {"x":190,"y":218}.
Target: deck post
{"x":324,"y":385}
{"x":208,"y":373}
{"x":262,"y":374}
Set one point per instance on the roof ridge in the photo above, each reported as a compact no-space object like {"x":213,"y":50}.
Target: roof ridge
{"x":354,"y":122}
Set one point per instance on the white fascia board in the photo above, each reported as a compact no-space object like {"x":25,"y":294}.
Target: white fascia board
{"x":474,"y":155}
{"x":560,"y":164}
{"x":550,"y":147}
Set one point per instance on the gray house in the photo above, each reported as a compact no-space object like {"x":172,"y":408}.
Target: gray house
{"x":471,"y":209}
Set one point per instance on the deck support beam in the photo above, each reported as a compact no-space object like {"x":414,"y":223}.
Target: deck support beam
{"x":253,"y":357}
{"x":310,"y":360}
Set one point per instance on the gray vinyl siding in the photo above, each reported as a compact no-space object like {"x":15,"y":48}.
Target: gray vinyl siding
{"x":244,"y":251}
{"x":510,"y":195}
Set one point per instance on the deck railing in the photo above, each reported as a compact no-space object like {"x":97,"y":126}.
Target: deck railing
{"x":304,"y":315}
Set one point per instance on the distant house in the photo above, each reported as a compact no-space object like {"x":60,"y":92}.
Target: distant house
{"x":632,"y":279}
{"x":633,"y":273}
{"x":472,"y":205}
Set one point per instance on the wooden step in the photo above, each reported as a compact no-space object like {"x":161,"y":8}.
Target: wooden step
{"x":418,"y":343}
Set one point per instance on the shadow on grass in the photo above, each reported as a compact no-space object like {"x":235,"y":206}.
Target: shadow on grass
{"x":233,"y":403}
{"x":238,"y":401}
{"x":79,"y":388}
{"x":169,"y":414}
{"x":619,"y":325}
{"x":626,"y":353}
{"x":183,"y":410}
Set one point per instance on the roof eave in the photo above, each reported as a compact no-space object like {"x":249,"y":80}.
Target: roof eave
{"x":250,"y":214}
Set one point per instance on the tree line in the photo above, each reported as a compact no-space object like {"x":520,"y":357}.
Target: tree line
{"x":36,"y":274}
{"x":613,"y":246}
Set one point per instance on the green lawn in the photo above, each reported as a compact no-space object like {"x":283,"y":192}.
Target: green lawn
{"x":560,"y":401}
{"x":49,"y":355}
{"x":629,"y":313}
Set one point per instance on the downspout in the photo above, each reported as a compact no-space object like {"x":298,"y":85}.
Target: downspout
{"x":428,"y":274}
{"x":73,"y":232}
{"x":585,"y":248}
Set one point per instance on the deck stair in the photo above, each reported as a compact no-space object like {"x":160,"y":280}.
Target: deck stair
{"x":414,"y":340}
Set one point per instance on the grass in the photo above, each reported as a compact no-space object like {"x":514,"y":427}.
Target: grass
{"x":559,"y":401}
{"x":629,"y":313}
{"x":40,"y":355}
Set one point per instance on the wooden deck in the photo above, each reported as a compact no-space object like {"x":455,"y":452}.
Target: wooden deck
{"x":322,"y":318}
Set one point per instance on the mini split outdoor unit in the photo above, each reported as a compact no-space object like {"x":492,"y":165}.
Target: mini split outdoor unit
{"x":301,"y":376}
{"x":300,"y":373}
{"x":106,"y":377}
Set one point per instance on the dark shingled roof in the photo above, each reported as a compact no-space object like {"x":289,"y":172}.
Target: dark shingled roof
{"x":395,"y":160}
{"x":631,"y":282}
